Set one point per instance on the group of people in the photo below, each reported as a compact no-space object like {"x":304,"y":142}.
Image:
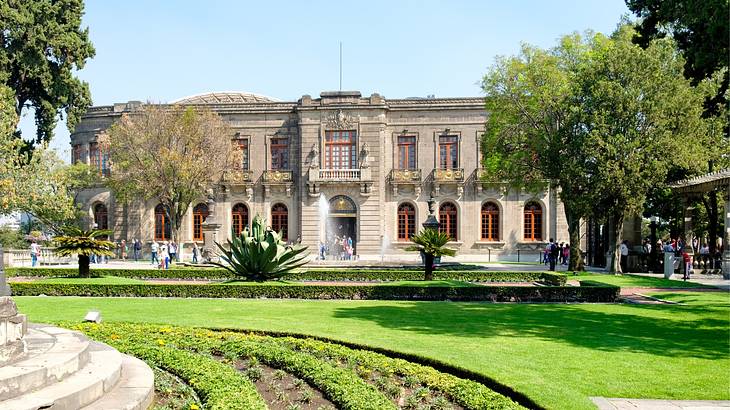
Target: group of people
{"x":555,"y":253}
{"x":340,"y":247}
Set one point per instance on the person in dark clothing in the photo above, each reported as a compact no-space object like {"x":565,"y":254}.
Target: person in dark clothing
{"x":554,"y":252}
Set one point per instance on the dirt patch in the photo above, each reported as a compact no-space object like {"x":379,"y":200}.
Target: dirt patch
{"x":282,"y":390}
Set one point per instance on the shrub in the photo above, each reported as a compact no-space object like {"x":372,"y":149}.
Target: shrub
{"x":602,"y":293}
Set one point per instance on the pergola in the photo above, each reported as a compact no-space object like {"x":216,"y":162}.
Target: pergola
{"x":714,"y":181}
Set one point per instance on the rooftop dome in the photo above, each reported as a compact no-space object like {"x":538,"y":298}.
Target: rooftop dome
{"x":224,"y":97}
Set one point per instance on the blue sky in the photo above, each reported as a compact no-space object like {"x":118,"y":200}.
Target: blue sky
{"x":163,"y":50}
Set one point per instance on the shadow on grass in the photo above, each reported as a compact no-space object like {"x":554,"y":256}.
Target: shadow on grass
{"x":697,"y":332}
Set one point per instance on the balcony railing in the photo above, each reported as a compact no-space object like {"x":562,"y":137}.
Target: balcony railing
{"x":448,"y":175}
{"x":340,"y":174}
{"x":405,"y":176}
{"x":238,"y":176}
{"x":277,"y":176}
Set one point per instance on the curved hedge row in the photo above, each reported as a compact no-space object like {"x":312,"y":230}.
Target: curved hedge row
{"x":594,"y":293}
{"x":550,"y":278}
{"x":331,"y":368}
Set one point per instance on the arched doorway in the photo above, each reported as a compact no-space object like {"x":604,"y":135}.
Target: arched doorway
{"x":342,"y":224}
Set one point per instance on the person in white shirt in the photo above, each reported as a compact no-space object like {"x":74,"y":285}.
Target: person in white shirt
{"x":155,"y":248}
{"x":35,"y":252}
{"x":624,"y":250}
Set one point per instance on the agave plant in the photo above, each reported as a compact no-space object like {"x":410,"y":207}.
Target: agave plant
{"x":432,"y":244}
{"x":84,"y":244}
{"x":260,"y":254}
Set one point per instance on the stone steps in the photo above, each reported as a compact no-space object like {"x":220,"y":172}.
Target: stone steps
{"x":63,"y":370}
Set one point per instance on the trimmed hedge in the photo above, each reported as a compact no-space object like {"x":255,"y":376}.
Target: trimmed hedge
{"x":550,"y":278}
{"x":591,"y":293}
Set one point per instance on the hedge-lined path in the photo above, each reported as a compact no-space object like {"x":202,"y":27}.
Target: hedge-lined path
{"x":647,"y":404}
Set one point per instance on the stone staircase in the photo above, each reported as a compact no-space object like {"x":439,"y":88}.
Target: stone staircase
{"x":63,"y":370}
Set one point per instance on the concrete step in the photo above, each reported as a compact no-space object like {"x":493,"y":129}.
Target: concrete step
{"x":77,"y":390}
{"x":135,"y":390}
{"x":51,"y":355}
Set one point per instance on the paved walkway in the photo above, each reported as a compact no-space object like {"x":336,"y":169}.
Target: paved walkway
{"x":647,"y":404}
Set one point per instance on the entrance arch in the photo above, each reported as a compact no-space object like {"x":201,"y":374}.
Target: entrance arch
{"x":342,"y":223}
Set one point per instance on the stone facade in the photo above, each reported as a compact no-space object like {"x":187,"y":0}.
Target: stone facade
{"x":375,"y":172}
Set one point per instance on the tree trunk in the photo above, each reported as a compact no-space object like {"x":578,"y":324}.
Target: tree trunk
{"x":576,"y":256}
{"x":84,"y":266}
{"x":428,"y":261}
{"x":615,"y":229}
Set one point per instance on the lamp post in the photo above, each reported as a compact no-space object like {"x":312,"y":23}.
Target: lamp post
{"x":653,"y":225}
{"x":431,"y":221}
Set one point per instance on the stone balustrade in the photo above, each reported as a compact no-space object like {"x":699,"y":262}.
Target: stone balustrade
{"x":48,"y":256}
{"x":448,"y":175}
{"x":238,"y":177}
{"x":277,"y":176}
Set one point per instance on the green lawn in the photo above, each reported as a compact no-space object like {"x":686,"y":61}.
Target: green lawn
{"x":557,"y":354}
{"x":635,"y":281}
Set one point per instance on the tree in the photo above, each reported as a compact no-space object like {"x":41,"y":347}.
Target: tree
{"x":172,"y":154}
{"x":702,"y":33}
{"x":260,"y":254}
{"x":640,"y":117}
{"x":41,"y":45}
{"x":84,"y":244}
{"x":532,"y":139}
{"x":432,"y":244}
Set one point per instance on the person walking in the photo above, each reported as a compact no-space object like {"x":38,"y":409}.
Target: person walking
{"x":553,"y":257}
{"x":35,"y":252}
{"x":124,"y":249}
{"x":137,"y":248}
{"x":164,"y":254}
{"x":566,"y":254}
{"x":196,"y":252}
{"x":687,"y":264}
{"x":155,"y":248}
{"x":173,"y":251}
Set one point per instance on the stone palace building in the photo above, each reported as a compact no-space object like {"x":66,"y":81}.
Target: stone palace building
{"x":373,"y":162}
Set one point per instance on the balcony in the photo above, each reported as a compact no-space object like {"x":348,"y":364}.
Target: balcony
{"x":482,"y":182}
{"x":405,"y":178}
{"x":238,"y":177}
{"x":454,"y":176}
{"x":277,"y":179}
{"x":318,"y":177}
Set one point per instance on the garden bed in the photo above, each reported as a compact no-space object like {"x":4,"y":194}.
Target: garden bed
{"x":230,"y":370}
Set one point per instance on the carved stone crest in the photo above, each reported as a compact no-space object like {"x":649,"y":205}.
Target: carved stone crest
{"x":339,"y":120}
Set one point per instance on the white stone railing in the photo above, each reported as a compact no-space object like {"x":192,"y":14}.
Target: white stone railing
{"x":48,"y":256}
{"x":339,"y":174}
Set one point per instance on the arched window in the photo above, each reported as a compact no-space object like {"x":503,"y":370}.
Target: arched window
{"x":533,"y":221}
{"x":490,"y":222}
{"x":101,"y":216}
{"x":200,"y":212}
{"x":448,"y":219}
{"x":240,"y":218}
{"x":406,"y":221}
{"x":280,"y":220}
{"x":163,"y":229}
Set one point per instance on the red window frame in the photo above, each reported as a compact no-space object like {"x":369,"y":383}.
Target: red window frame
{"x":406,"y":152}
{"x":448,"y":220}
{"x":406,"y":221}
{"x":241,"y":144}
{"x":101,"y":216}
{"x":340,"y":149}
{"x":533,"y":221}
{"x":280,"y":153}
{"x":162,"y":224}
{"x":200,"y":212}
{"x":448,"y":151}
{"x":490,"y":221}
{"x":239,"y":219}
{"x":280,"y":220}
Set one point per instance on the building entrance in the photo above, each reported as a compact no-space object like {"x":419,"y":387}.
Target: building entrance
{"x":342,"y":228}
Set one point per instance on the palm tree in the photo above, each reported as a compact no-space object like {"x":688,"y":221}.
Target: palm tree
{"x":432,"y":244}
{"x":84,"y":244}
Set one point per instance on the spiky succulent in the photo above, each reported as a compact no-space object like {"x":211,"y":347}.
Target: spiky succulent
{"x":260,"y":254}
{"x":78,"y":242}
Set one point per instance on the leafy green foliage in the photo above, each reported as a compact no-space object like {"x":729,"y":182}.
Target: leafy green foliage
{"x":84,"y":244}
{"x":432,"y":244}
{"x":42,"y":46}
{"x":12,"y":238}
{"x":260,"y":254}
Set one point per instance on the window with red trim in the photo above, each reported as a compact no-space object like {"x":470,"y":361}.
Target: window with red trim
{"x":200,"y":213}
{"x":490,"y":222}
{"x":240,"y":218}
{"x":280,"y":220}
{"x":406,"y":222}
{"x":340,"y":150}
{"x":448,"y":220}
{"x":533,"y":221}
